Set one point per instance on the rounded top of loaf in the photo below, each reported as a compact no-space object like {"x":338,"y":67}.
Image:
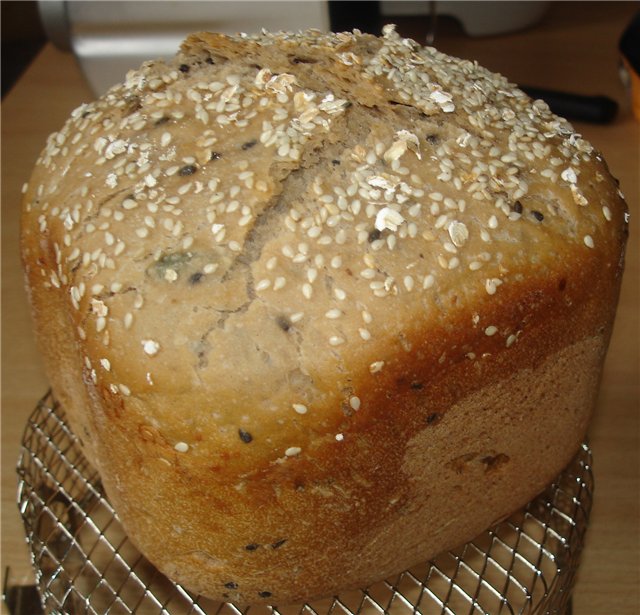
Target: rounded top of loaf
{"x":258,"y":237}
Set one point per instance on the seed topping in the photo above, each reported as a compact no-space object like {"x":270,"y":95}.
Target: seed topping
{"x":442,"y":198}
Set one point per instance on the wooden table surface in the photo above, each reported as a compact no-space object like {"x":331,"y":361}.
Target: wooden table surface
{"x":574,"y":49}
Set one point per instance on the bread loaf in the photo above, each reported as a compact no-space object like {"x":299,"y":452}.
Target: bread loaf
{"x":319,"y":306}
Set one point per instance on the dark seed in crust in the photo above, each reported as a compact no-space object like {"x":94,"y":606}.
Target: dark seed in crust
{"x":245,"y":436}
{"x":188,"y":169}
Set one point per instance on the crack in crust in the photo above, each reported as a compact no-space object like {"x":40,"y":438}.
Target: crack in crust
{"x":315,"y":155}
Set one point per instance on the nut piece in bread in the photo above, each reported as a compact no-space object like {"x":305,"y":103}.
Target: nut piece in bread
{"x":319,"y":306}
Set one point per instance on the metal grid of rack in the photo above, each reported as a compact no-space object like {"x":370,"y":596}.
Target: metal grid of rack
{"x":85,"y":563}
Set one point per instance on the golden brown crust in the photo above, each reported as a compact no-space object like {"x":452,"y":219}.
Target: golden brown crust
{"x":319,"y":306}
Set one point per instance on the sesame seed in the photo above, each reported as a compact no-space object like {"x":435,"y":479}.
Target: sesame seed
{"x":569,"y":175}
{"x":491,"y":284}
{"x":588,"y":241}
{"x":336,"y":340}
{"x":376,"y":366}
{"x":339,"y":437}
{"x":150,"y":347}
{"x":354,"y":402}
{"x":491,"y":330}
{"x":181,"y":447}
{"x":441,"y":220}
{"x":364,"y":334}
{"x":333,"y":314}
{"x":124,"y":389}
{"x":293,"y":451}
{"x":300,"y":408}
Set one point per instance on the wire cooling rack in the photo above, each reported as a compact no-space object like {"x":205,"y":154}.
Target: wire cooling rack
{"x":84,"y":562}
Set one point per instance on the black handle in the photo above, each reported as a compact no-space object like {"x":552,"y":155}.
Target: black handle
{"x":594,"y":109}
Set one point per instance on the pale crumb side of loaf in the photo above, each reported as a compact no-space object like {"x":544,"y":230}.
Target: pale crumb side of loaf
{"x":290,"y":289}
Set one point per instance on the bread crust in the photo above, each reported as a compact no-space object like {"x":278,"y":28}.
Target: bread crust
{"x":315,"y":318}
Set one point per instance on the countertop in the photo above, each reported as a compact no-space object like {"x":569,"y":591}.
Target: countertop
{"x":574,"y":49}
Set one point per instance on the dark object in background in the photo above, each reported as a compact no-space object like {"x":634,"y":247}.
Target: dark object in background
{"x":347,"y":15}
{"x":21,"y":599}
{"x":22,"y":39}
{"x":593,"y":109}
{"x":630,"y":51}
{"x":630,"y":43}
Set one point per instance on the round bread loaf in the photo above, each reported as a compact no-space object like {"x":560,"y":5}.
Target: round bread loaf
{"x":320,"y":306}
